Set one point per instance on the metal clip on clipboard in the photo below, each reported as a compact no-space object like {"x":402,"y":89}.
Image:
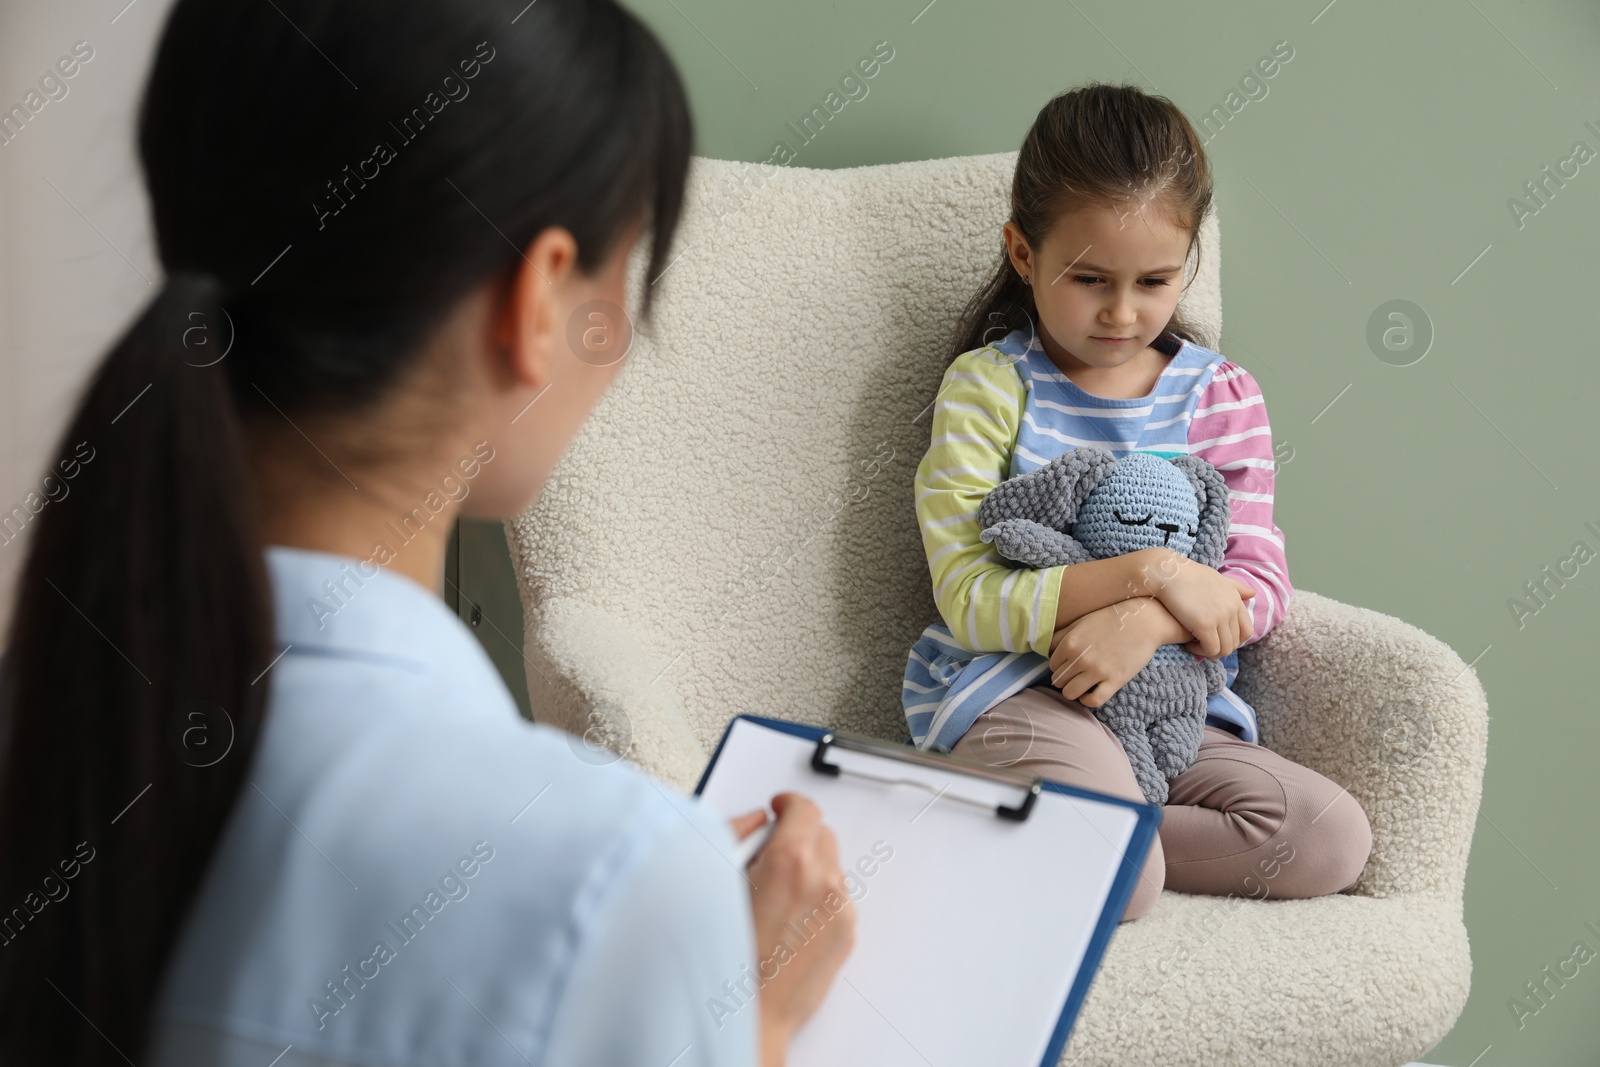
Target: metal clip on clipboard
{"x":889,"y":750}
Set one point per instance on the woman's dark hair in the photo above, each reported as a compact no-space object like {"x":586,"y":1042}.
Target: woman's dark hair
{"x":1092,"y":146}
{"x":327,"y":181}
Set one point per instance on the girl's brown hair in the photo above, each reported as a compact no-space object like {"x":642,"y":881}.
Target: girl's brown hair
{"x":1095,"y":145}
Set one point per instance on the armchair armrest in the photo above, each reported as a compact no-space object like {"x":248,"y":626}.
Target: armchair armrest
{"x":589,"y":674}
{"x":1392,"y":714}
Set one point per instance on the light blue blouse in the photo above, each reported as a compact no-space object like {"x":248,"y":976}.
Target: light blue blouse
{"x":414,"y":874}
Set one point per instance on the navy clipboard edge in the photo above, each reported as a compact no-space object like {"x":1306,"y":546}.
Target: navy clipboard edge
{"x":1144,"y":831}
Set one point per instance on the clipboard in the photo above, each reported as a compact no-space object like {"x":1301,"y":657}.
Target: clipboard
{"x":985,"y":897}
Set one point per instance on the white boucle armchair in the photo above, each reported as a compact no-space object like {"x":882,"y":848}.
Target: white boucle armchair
{"x":733,"y":531}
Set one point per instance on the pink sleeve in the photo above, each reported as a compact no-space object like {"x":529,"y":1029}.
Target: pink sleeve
{"x":1229,"y":430}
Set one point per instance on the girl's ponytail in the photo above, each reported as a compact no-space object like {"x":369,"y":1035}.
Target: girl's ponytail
{"x":1005,"y":303}
{"x":134,"y":685}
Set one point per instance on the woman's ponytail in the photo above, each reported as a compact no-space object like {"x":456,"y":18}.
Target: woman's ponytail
{"x":134,"y":685}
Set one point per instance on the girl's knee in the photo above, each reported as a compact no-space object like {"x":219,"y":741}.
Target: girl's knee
{"x":1329,"y":840}
{"x":1147,"y":887}
{"x":1350,"y":843}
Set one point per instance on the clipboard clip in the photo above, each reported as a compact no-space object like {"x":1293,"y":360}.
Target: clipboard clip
{"x":873,"y":746}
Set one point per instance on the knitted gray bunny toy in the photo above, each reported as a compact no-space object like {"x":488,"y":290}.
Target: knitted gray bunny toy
{"x":1113,"y":507}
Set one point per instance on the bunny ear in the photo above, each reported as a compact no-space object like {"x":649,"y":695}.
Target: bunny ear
{"x":1211,"y":542}
{"x":1052,"y":494}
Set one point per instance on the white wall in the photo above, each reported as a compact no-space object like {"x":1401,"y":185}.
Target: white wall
{"x":76,"y":256}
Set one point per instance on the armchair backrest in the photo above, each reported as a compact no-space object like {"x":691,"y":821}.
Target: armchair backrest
{"x":734,"y":525}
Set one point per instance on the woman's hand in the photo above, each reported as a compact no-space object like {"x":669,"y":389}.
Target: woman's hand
{"x":1209,"y":605}
{"x":1102,"y":650}
{"x":796,"y":885}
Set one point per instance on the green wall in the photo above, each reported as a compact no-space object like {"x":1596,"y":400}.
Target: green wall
{"x":1377,"y":167}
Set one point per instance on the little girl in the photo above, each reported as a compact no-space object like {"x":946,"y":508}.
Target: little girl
{"x":1078,"y":340}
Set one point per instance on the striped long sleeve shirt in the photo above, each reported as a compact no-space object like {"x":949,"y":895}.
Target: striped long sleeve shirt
{"x":1005,"y":410}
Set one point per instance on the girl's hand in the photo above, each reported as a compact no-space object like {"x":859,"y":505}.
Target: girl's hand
{"x":1095,"y":655}
{"x":1246,"y":624}
{"x":794,"y":878}
{"x":1210,"y":605}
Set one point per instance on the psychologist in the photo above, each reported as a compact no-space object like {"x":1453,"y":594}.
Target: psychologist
{"x":263,"y":798}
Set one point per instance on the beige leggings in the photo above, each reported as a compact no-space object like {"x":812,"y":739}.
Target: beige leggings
{"x":1241,"y":820}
